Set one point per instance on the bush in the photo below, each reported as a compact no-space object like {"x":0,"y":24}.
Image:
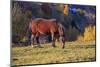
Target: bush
{"x":89,"y":34}
{"x":20,"y":19}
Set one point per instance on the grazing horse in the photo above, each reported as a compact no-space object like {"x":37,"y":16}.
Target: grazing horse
{"x":40,"y":26}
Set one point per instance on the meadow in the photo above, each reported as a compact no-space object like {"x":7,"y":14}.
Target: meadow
{"x":79,"y":22}
{"x":73,"y":52}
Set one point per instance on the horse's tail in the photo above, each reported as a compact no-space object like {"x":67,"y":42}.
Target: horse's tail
{"x":29,"y":32}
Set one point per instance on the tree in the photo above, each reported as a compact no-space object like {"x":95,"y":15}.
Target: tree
{"x":20,"y":20}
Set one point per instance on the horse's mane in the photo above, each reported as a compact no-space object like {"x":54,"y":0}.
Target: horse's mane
{"x":37,"y":19}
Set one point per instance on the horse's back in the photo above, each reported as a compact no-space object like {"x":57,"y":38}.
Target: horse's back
{"x":44,"y":26}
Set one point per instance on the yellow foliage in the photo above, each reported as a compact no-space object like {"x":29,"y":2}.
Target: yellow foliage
{"x":89,"y":34}
{"x":63,"y":9}
{"x":66,"y":9}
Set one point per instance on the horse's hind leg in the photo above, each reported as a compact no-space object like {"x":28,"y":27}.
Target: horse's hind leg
{"x":53,"y":40}
{"x":32,"y":37}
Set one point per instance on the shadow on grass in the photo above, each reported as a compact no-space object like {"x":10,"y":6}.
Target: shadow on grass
{"x":85,"y":46}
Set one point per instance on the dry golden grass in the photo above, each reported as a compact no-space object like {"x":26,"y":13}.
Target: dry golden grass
{"x":89,"y":34}
{"x":73,"y":52}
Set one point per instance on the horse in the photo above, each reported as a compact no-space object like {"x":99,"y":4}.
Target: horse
{"x":40,"y":26}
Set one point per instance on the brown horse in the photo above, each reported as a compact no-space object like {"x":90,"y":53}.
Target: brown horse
{"x":42,"y":26}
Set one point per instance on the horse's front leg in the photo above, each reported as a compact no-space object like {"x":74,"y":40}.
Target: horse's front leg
{"x":53,"y":40}
{"x":38,"y":42}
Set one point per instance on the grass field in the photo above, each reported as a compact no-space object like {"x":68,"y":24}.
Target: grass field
{"x":73,"y":52}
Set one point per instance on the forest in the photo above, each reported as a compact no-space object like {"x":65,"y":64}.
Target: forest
{"x":83,"y":16}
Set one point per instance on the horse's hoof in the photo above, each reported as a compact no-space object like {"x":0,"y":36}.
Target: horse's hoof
{"x":53,"y":46}
{"x":63,"y":47}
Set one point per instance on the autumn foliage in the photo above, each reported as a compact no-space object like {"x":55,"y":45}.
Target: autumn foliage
{"x":89,"y":34}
